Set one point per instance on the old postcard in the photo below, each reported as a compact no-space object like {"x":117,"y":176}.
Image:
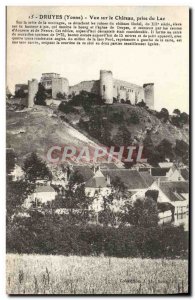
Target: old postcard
{"x":97,"y":105}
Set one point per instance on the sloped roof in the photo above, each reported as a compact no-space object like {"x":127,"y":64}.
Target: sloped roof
{"x":185,"y":173}
{"x":44,"y":189}
{"x":159,"y":171}
{"x":108,"y":166}
{"x":165,"y":206}
{"x":131,"y":178}
{"x":147,"y":177}
{"x":174,"y":189}
{"x":165,"y":164}
{"x":144,"y":169}
{"x":85,"y":171}
{"x":96,"y":182}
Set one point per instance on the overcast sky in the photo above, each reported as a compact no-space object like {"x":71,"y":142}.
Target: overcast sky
{"x":166,"y":66}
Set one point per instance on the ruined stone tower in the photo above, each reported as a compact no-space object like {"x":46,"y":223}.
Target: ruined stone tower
{"x":149,"y":94}
{"x":106,"y":86}
{"x":32,"y":90}
{"x":59,"y":85}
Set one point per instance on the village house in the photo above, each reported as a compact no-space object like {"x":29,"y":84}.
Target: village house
{"x":166,"y":173}
{"x":185,"y":173}
{"x":100,"y":185}
{"x":41,"y":195}
{"x":173,"y":192}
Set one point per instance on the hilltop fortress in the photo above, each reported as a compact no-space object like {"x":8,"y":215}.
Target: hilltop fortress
{"x":107,"y":87}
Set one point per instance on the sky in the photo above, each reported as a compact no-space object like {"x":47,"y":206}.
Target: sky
{"x":167,"y":66}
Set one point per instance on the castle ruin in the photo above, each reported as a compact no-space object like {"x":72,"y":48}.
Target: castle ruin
{"x":107,"y":87}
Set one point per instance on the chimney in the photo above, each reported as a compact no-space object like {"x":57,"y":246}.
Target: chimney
{"x":93,"y":169}
{"x":108,"y":179}
{"x":150,"y":171}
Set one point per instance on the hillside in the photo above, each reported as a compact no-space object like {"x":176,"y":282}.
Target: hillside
{"x":39,"y":128}
{"x":121,"y":114}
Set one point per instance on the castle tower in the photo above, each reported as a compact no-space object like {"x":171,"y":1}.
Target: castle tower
{"x":106,"y":86}
{"x":59,"y":85}
{"x":149,"y":94}
{"x":32,"y":90}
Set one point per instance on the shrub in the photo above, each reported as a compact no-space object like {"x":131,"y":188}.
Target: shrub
{"x":40,"y":95}
{"x":117,"y":117}
{"x":163,"y":115}
{"x":61,"y":96}
{"x":128,"y":102}
{"x":66,"y":108}
{"x":55,"y":235}
{"x":141,"y":104}
{"x":133,"y":119}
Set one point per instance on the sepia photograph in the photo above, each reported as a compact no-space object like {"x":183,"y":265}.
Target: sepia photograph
{"x":97,"y":150}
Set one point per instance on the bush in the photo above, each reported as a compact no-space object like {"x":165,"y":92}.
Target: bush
{"x":41,"y":96}
{"x":141,"y":104}
{"x":117,"y":117}
{"x":61,"y":96}
{"x":128,"y":102}
{"x":163,"y":115}
{"x":55,"y":235}
{"x":133,"y":119}
{"x":66,"y":108}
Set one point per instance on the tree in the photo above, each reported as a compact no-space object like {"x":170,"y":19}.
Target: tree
{"x":150,"y":152}
{"x":10,"y":161}
{"x":61,"y":96}
{"x":40,"y":95}
{"x":35,"y":168}
{"x":165,"y":149}
{"x":184,"y":117}
{"x":16,"y":193}
{"x":180,"y":119}
{"x":153,"y":194}
{"x":74,"y":199}
{"x":66,"y":108}
{"x":141,"y":103}
{"x":8,"y":93}
{"x":134,"y":118}
{"x":164,"y":115}
{"x":20,"y":93}
{"x":177,"y":111}
{"x":123,"y":137}
{"x":182,"y":150}
{"x":142,"y":213}
{"x":108,"y":215}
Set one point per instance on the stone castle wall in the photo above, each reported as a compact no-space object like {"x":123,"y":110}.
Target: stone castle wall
{"x":128,"y":91}
{"x":59,"y":85}
{"x":32,"y":90}
{"x":106,"y":87}
{"x":149,"y":94}
{"x":91,"y":86}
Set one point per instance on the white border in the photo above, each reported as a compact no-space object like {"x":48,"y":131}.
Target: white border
{"x":190,"y":3}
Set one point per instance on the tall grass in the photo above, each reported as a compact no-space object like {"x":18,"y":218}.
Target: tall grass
{"x":40,"y":274}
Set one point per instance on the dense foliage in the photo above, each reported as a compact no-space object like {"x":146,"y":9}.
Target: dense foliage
{"x":55,"y":235}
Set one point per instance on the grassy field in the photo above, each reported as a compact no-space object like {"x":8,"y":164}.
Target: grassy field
{"x":39,"y":274}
